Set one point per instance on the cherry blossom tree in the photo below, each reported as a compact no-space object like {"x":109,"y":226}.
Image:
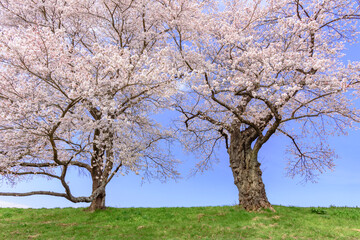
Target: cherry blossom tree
{"x":260,"y":68}
{"x":79,"y":82}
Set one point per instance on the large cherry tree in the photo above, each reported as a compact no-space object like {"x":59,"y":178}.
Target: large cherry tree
{"x":79,"y":82}
{"x":260,"y":68}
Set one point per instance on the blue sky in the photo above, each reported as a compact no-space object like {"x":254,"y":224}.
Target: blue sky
{"x":215,"y":187}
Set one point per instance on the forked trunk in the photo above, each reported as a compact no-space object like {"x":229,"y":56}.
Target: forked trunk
{"x":247,"y":173}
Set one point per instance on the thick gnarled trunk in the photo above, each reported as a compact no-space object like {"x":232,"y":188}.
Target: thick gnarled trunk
{"x":99,"y":201}
{"x":247,"y":173}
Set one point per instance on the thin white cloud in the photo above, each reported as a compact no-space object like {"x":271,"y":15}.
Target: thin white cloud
{"x":11,"y":205}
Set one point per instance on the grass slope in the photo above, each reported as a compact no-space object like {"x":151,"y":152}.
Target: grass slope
{"x":227,"y":222}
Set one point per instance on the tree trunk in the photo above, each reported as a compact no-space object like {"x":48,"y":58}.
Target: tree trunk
{"x":96,"y":173}
{"x":99,"y":201}
{"x":96,"y":176}
{"x":246,"y":171}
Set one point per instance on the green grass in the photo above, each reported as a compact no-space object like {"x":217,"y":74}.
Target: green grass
{"x":229,"y":222}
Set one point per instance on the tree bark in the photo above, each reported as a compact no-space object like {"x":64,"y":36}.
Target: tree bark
{"x":246,"y":171}
{"x":99,"y":200}
{"x":96,"y":173}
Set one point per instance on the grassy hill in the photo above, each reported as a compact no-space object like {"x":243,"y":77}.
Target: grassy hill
{"x":228,"y":222}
